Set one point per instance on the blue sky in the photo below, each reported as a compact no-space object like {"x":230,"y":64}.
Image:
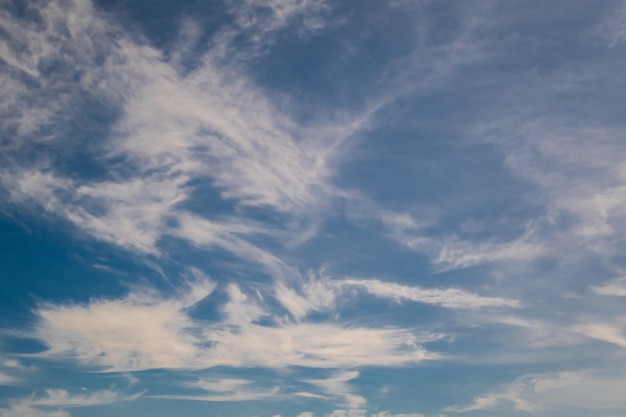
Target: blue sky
{"x":309,"y":208}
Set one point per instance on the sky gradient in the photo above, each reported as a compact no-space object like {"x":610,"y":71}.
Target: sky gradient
{"x":312,"y":208}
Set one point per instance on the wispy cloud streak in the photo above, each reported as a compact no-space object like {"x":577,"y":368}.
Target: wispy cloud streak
{"x":147,"y":331}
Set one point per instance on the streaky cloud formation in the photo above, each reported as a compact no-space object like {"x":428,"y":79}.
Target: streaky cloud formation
{"x":532,"y":393}
{"x":321,"y":295}
{"x":162,"y":334}
{"x":228,"y":389}
{"x":312,"y":208}
{"x":173,"y":127}
{"x":54,"y":401}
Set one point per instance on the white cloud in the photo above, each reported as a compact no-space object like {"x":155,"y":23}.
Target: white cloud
{"x":450,"y":252}
{"x":62,"y":398}
{"x":605,"y":332}
{"x":12,"y":371}
{"x":347,"y":413}
{"x":227,"y":389}
{"x":453,"y":253}
{"x":305,"y":394}
{"x":616,"y":287}
{"x":579,"y":170}
{"x":54,"y":402}
{"x":313,"y":294}
{"x":306,"y":13}
{"x":211,"y":123}
{"x":321,"y":345}
{"x":511,"y":394}
{"x":364,"y":413}
{"x":449,"y":298}
{"x":130,"y":214}
{"x":141,"y":331}
{"x":228,"y":234}
{"x":31,"y":45}
{"x":145,"y":330}
{"x":320,"y":294}
{"x":240,"y":310}
{"x":614,"y":27}
{"x":585,"y":390}
{"x":390,"y":414}
{"x":6,"y":379}
{"x":11,"y":363}
{"x":21,"y":410}
{"x":220,"y":385}
{"x":205,"y":125}
{"x":337,"y":385}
